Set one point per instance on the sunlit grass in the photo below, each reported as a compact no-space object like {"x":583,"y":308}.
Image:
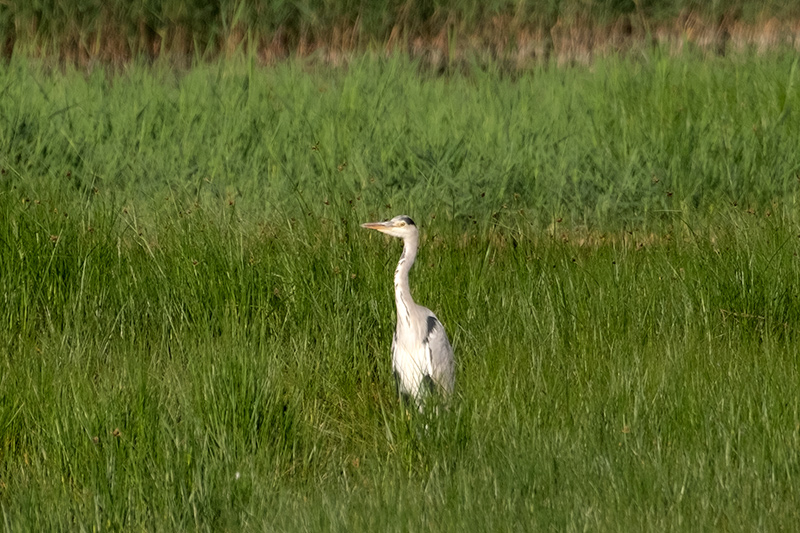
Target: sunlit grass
{"x":197,"y":331}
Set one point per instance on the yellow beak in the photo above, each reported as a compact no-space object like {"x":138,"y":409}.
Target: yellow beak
{"x":380,"y":226}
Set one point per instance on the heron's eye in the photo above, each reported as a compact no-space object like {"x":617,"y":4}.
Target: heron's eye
{"x":402,"y":223}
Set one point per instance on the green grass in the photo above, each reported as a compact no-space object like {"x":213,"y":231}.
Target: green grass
{"x":622,"y":141}
{"x":187,"y":296}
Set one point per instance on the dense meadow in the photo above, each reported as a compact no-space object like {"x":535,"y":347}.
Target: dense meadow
{"x":196,"y":331}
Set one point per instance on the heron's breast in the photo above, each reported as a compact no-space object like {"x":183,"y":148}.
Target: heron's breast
{"x":410,"y":354}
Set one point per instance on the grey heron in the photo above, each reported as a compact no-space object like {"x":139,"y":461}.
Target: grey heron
{"x":422,"y":358}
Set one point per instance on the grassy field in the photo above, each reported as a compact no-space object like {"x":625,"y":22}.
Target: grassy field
{"x":197,"y":332}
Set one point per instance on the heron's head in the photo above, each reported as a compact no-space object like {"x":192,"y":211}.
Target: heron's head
{"x":400,"y":226}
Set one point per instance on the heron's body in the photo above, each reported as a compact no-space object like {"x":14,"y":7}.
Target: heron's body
{"x":422,"y":358}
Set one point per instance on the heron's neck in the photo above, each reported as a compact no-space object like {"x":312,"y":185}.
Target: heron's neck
{"x":402,"y":291}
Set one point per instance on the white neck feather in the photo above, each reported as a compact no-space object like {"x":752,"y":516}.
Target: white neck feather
{"x":402,"y":290}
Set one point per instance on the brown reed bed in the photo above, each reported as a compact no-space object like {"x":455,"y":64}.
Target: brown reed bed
{"x":441,"y":39}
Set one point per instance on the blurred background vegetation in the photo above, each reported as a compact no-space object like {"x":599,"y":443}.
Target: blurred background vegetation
{"x":83,"y":31}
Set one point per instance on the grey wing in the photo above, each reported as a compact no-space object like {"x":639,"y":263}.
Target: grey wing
{"x":440,"y":354}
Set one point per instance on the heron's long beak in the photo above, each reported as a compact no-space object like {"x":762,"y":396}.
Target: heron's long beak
{"x":380,"y":226}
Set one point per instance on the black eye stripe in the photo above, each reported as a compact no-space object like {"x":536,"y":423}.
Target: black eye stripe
{"x":408,"y":221}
